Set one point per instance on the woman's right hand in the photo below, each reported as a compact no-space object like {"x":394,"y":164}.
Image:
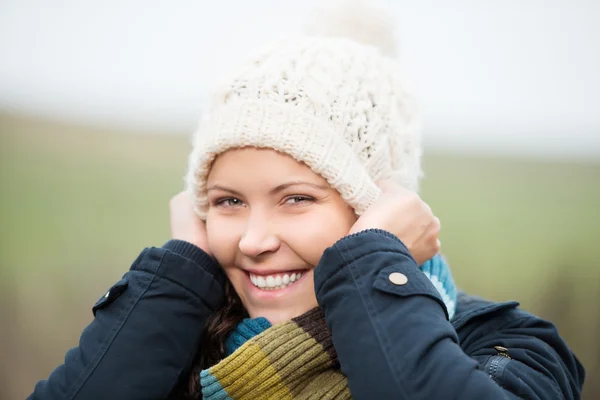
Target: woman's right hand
{"x":185,"y":223}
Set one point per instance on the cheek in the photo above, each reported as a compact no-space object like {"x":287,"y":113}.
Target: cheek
{"x":223,"y":243}
{"x":311,"y":236}
{"x":222,"y":240}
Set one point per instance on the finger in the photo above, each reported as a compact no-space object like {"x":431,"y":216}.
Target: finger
{"x":433,"y":232}
{"x":428,"y":236}
{"x":177,"y":199}
{"x":388,"y":185}
{"x":436,"y":225}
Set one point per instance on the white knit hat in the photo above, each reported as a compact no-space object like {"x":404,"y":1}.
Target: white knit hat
{"x":330,"y":102}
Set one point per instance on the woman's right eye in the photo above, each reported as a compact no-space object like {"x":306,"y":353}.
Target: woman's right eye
{"x":228,"y":202}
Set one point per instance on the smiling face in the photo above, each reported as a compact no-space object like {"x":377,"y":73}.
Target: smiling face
{"x":270,"y":218}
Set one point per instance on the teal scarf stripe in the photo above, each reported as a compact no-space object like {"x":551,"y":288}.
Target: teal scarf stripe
{"x":438,"y":272}
{"x":245,"y":330}
{"x":211,"y":388}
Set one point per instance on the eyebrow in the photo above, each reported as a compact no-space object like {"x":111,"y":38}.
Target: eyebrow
{"x":223,"y":188}
{"x":275,"y":190}
{"x":286,"y":185}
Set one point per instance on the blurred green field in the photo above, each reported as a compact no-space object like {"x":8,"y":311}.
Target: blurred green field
{"x":77,"y":204}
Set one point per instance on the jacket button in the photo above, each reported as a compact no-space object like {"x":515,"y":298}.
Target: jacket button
{"x":398,"y":278}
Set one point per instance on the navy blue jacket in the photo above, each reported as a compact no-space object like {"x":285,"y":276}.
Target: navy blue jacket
{"x":393,"y":341}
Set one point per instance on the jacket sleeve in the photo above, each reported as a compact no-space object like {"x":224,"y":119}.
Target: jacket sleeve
{"x":145,"y":332}
{"x":394,"y":341}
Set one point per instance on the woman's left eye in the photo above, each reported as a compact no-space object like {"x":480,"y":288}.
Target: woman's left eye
{"x":299,"y":199}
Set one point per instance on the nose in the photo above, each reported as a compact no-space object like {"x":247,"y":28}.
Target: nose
{"x":258,"y":239}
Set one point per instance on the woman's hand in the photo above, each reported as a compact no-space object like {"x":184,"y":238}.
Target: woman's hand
{"x":403,"y":213}
{"x":185,"y":223}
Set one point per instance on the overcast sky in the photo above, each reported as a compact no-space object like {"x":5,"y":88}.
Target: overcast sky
{"x":518,"y":76}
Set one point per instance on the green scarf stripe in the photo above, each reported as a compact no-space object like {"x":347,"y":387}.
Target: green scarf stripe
{"x":246,"y":368}
{"x":251,"y":368}
{"x":292,"y":358}
{"x":335,"y":382}
{"x":295,"y":363}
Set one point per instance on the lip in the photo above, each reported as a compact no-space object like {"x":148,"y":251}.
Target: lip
{"x":272,"y":294}
{"x":265,"y":272}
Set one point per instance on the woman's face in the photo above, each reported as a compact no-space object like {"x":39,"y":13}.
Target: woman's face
{"x":270,"y":219}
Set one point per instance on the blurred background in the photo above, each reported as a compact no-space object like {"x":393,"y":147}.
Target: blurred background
{"x":98,"y":101}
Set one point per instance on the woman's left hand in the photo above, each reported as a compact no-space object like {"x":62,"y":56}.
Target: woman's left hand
{"x":403,"y":213}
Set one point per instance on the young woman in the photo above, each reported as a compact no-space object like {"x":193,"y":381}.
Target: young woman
{"x":303,"y":264}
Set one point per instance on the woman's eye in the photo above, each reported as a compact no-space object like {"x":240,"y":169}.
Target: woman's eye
{"x":229,"y":202}
{"x":299,"y":200}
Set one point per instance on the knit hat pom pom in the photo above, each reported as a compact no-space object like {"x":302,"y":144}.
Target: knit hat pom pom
{"x":356,"y":20}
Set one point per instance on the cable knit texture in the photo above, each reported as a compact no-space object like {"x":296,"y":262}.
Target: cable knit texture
{"x":334,"y":104}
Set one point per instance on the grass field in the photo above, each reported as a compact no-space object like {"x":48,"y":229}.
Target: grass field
{"x":77,"y":204}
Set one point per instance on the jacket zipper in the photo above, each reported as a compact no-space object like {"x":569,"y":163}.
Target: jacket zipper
{"x":497,"y":363}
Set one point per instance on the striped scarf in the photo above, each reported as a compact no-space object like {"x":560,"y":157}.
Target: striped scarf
{"x":292,"y":360}
{"x":295,"y":359}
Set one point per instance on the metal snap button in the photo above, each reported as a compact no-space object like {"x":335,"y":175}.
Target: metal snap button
{"x":398,"y":278}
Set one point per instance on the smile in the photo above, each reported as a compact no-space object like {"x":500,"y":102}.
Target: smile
{"x":275,"y":281}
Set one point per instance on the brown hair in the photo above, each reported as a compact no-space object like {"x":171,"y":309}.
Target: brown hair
{"x":212,"y":348}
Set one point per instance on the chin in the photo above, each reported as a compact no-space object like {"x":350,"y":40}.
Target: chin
{"x":279,"y":316}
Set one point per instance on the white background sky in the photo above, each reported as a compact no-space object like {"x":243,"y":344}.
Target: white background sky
{"x":510,"y":76}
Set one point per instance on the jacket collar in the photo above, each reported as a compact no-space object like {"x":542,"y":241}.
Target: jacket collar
{"x":469,"y":307}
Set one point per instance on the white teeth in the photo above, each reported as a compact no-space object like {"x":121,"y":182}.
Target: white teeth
{"x":260,"y":282}
{"x":274,"y":282}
